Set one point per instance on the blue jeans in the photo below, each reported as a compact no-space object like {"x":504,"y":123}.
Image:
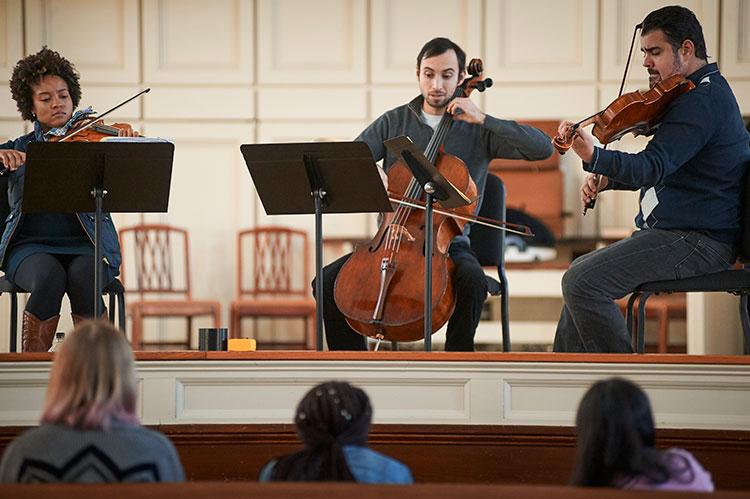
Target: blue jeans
{"x":591,"y":321}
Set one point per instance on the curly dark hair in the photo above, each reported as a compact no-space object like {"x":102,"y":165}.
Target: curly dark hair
{"x":31,"y":69}
{"x":678,"y":24}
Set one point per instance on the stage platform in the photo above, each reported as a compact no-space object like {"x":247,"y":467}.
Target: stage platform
{"x":541,"y":389}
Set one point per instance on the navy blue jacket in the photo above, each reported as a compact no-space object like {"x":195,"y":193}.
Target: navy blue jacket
{"x":691,"y":172}
{"x":110,"y":242}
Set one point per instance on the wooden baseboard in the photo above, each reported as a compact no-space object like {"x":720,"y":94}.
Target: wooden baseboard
{"x":537,"y":455}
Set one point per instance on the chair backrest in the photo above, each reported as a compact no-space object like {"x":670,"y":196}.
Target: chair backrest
{"x":488,"y":243}
{"x":273,"y":262}
{"x":160,"y":260}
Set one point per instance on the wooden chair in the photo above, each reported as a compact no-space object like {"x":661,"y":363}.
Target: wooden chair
{"x":273,"y":280}
{"x":662,"y":309}
{"x":161,"y":264}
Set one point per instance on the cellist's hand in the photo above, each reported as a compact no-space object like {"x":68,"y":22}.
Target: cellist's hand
{"x":590,"y":189}
{"x":464,"y":109}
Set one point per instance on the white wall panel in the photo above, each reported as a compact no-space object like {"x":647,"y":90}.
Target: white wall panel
{"x":742,"y":92}
{"x":312,"y":103}
{"x":11,"y":36}
{"x":103,"y":98}
{"x":100,"y":38}
{"x":211,"y":196}
{"x":199,"y":102}
{"x":735,"y":38}
{"x":383,"y":99}
{"x":193,"y":41}
{"x":619,"y":17}
{"x":539,"y":40}
{"x":548,"y":101}
{"x":305,"y":42}
{"x":399,"y":29}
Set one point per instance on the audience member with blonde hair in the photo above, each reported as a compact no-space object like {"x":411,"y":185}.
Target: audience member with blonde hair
{"x":333,"y":422}
{"x":615,"y":444}
{"x":89,"y":430}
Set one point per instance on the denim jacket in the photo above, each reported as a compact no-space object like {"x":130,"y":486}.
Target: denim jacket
{"x":110,"y":242}
{"x":367,"y":466}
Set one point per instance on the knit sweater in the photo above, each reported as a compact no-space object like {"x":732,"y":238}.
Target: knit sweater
{"x":58,"y":453}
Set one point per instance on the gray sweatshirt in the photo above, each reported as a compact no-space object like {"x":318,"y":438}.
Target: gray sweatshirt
{"x":58,"y":453}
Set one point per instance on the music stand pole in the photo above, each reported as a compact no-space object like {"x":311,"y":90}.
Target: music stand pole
{"x":318,"y":192}
{"x":98,"y":192}
{"x":429,"y":189}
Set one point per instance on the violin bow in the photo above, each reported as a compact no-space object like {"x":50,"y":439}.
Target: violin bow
{"x":118,"y":106}
{"x":598,"y":178}
{"x":519,"y":229}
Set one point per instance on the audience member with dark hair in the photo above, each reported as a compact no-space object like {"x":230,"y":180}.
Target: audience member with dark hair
{"x":615,"y":444}
{"x":90,"y":431}
{"x":333,"y":422}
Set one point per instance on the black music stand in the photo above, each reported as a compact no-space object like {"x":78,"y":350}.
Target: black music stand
{"x":85,"y":177}
{"x":436,"y":188}
{"x":316,"y":177}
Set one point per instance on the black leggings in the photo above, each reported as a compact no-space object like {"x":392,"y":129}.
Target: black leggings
{"x":48,"y":277}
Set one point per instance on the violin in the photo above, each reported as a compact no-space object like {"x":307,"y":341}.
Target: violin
{"x":94,"y":129}
{"x":636,"y":112}
{"x":96,"y":132}
{"x":380,"y":289}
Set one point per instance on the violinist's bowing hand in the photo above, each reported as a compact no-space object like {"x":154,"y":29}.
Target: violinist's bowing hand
{"x":590,"y":189}
{"x":126,"y":130}
{"x":464,"y":109}
{"x":12,"y":159}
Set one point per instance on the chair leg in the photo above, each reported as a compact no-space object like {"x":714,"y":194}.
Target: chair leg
{"x":121,"y":312}
{"x":663,"y":330}
{"x":235,"y":321}
{"x":13,"y":322}
{"x":394,"y":346}
{"x":505,"y":320}
{"x":629,"y":317}
{"x":137,"y":340}
{"x":111,"y":308}
{"x":745,"y":322}
{"x":641,"y":336}
{"x":189,"y":331}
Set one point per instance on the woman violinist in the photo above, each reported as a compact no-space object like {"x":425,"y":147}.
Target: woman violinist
{"x":475,"y":138}
{"x":690,"y":180}
{"x":48,"y":254}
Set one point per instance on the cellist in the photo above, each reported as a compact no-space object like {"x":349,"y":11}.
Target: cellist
{"x":475,"y":138}
{"x":49,"y":254}
{"x":690,"y":181}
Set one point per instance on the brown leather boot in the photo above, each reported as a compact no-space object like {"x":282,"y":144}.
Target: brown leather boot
{"x":37,"y":335}
{"x":77,"y":319}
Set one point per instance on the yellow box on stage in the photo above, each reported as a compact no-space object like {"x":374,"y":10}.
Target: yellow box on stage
{"x":241,"y":345}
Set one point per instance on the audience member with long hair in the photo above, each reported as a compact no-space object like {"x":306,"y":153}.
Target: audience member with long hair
{"x":333,"y":422}
{"x":615,"y":444}
{"x":89,"y":427}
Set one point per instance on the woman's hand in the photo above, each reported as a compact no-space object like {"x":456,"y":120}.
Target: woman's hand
{"x":126,"y":130}
{"x":12,"y":159}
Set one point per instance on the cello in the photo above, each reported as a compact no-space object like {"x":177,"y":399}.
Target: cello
{"x":380,"y":289}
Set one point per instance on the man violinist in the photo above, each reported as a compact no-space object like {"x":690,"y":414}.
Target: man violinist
{"x":474,"y":137}
{"x":690,"y":177}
